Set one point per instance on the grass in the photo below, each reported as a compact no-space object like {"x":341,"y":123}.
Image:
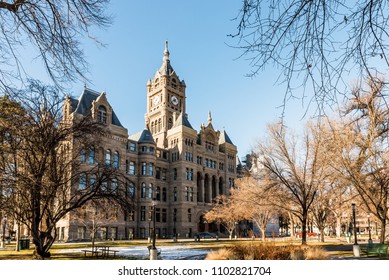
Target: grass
{"x":334,"y":249}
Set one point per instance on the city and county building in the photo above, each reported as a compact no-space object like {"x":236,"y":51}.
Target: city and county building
{"x":169,"y":164}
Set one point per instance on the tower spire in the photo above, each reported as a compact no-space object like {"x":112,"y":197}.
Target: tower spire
{"x":209,"y":117}
{"x":166,"y":53}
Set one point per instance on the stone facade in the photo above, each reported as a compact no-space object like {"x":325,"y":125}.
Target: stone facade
{"x":169,"y":163}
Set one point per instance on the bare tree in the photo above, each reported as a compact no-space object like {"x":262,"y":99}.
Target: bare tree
{"x":295,"y":172}
{"x":54,"y":29}
{"x":315,"y":44}
{"x":363,"y":145}
{"x":42,"y":179}
{"x":225,"y":212}
{"x":255,"y":201}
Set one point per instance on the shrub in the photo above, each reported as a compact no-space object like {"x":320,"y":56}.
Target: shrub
{"x":265,"y":251}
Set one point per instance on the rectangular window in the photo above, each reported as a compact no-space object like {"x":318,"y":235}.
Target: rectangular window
{"x":131,"y":169}
{"x":143,"y":213}
{"x":158,"y":215}
{"x":144,"y":168}
{"x":164,"y":215}
{"x":132,"y":147}
{"x":164,"y":174}
{"x":151,"y":169}
{"x":158,"y":173}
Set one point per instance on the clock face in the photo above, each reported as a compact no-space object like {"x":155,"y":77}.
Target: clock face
{"x":174,"y":100}
{"x":156,"y":100}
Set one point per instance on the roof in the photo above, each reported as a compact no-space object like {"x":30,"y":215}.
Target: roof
{"x":182,"y":120}
{"x":224,"y":138}
{"x":143,"y":136}
{"x":84,"y":104}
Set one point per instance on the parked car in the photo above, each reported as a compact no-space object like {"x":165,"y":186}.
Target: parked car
{"x":309,"y":234}
{"x":204,"y":235}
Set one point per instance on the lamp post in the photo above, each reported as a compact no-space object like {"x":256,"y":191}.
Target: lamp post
{"x":368,"y":224}
{"x":174,"y":225}
{"x":355,"y":246}
{"x":153,"y":250}
{"x":149,"y":235}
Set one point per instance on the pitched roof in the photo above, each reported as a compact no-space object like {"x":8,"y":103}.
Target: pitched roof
{"x":182,"y":120}
{"x":84,"y":104}
{"x":143,"y":136}
{"x":224,"y":138}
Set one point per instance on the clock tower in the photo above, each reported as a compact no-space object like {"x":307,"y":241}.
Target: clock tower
{"x":165,"y":100}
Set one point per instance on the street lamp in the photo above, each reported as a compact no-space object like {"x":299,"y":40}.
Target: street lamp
{"x":355,"y":246}
{"x":153,"y":250}
{"x":149,"y":235}
{"x":368,"y":224}
{"x":174,"y":224}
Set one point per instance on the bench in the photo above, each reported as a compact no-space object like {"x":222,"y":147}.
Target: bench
{"x":100,"y":251}
{"x":375,"y":249}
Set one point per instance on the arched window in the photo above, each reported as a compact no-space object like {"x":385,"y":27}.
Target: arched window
{"x":108,"y":157}
{"x":92,"y":155}
{"x":150,"y":191}
{"x":92,"y":181}
{"x":102,"y":115}
{"x":114,"y":185}
{"x":116,"y":160}
{"x":143,"y":191}
{"x":151,"y":169}
{"x":170,"y":123}
{"x":83,"y":156}
{"x":159,"y":125}
{"x":82,"y":181}
{"x":132,"y":190}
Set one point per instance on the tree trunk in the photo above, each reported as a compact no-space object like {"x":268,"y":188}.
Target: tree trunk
{"x":322,"y":235}
{"x":383,"y":230}
{"x":338,"y":226}
{"x":263,"y":232}
{"x":304,"y":227}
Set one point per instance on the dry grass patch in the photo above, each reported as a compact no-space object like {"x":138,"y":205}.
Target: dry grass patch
{"x":266,"y":251}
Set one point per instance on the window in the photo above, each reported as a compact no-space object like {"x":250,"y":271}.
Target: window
{"x":158,"y":215}
{"x":144,"y":168}
{"x":108,"y":157}
{"x":150,"y":191}
{"x":116,"y":160}
{"x":158,"y":194}
{"x":164,"y":215}
{"x":92,"y":155}
{"x":143,"y":191}
{"x":92,"y":180}
{"x":132,"y":190}
{"x":114,"y":185}
{"x":81,"y":233}
{"x":131,"y":169}
{"x":191,"y":175}
{"x":158,"y":173}
{"x":163,"y":194}
{"x":175,"y":194}
{"x":191,"y":194}
{"x":164,"y":174}
{"x":83,"y":156}
{"x":143,"y":149}
{"x":82,"y":182}
{"x":187,"y":193}
{"x":151,"y":169}
{"x":102,"y":115}
{"x":151,"y":149}
{"x":175,"y":174}
{"x":132,"y":147}
{"x":189,"y":215}
{"x":187,"y":173}
{"x":143,"y":213}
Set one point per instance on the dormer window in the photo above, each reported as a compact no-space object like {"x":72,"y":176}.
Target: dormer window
{"x":102,"y":115}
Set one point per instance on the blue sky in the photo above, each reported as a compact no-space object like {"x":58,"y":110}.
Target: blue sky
{"x":199,"y":52}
